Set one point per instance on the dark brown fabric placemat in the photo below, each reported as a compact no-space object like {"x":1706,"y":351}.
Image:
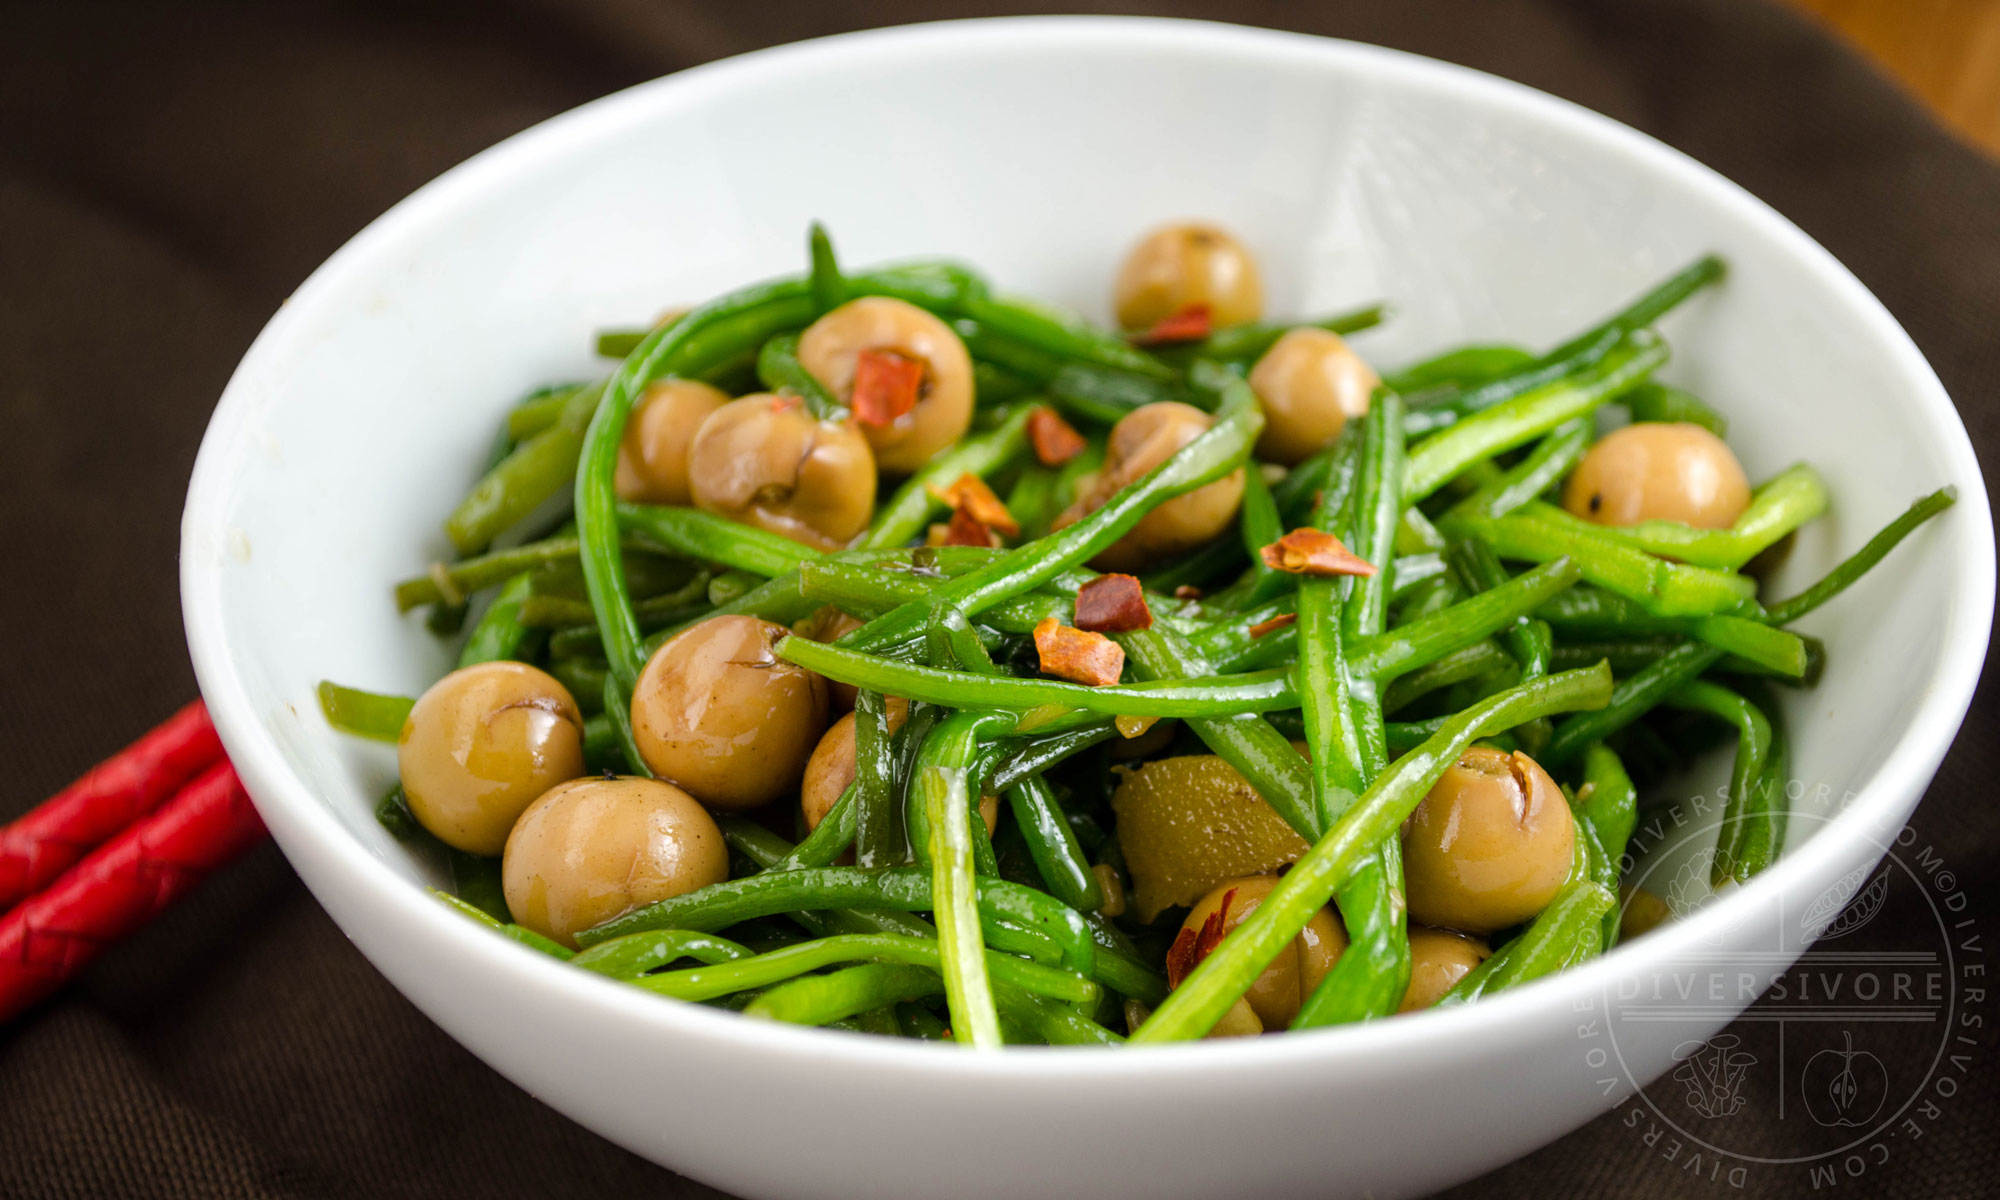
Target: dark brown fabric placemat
{"x":168,"y":173}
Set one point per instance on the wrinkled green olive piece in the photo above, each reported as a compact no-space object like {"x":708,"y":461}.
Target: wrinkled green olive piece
{"x":1178,"y":266}
{"x":1439,"y":958}
{"x":763,"y":460}
{"x":1189,"y":821}
{"x":830,"y":347}
{"x":719,"y":714}
{"x":1659,"y":472}
{"x":1278,"y":993}
{"x":1309,"y":383}
{"x":1489,"y":846}
{"x":653,"y":454}
{"x":1140,"y":441}
{"x":591,"y":849}
{"x":481,"y":744}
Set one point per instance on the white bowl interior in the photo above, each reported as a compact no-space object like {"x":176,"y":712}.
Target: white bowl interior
{"x":1036,"y":150}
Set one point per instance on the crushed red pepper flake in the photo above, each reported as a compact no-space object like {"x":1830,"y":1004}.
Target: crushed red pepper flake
{"x":1191,"y":946}
{"x":964,"y":529}
{"x":1056,"y":441}
{"x":1112,"y":604}
{"x":970,"y":492}
{"x":1076,"y":655}
{"x":887,"y":386}
{"x":1273,"y":625}
{"x":1191,"y":323}
{"x":1187,"y":591}
{"x":1314,"y":552}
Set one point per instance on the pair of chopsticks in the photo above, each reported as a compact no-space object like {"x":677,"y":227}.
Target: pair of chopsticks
{"x":104,"y":856}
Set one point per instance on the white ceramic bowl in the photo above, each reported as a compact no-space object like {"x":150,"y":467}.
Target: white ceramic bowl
{"x":1037,"y":149}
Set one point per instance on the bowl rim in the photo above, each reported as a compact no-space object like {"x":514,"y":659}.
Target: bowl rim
{"x":309,"y":828}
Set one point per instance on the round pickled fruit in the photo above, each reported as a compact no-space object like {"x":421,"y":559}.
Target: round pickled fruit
{"x":1179,"y":267}
{"x":831,"y":348}
{"x":653,"y":454}
{"x":480,"y":745}
{"x":1141,"y":441}
{"x":832,"y":768}
{"x":717,"y":712}
{"x":1439,"y":958}
{"x":1309,"y":383}
{"x":1278,"y":993}
{"x":592,"y":849}
{"x":1659,"y":472}
{"x":765,"y":461}
{"x":1489,"y":846}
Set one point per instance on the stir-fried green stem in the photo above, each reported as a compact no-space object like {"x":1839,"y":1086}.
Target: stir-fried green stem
{"x":1225,"y":974}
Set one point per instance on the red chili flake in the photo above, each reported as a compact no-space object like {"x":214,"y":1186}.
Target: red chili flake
{"x":1080,"y":657}
{"x":965,"y":529}
{"x":1112,"y":604}
{"x":970,"y":492}
{"x":886,"y":386}
{"x":1313,"y":552}
{"x":1273,"y":625}
{"x":1188,"y":324}
{"x":1187,"y":591}
{"x":1191,"y":946}
{"x":1055,"y":440}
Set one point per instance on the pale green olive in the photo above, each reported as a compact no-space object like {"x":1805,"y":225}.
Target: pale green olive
{"x":1659,"y":472}
{"x":717,"y":712}
{"x":653,"y":454}
{"x":1309,"y":383}
{"x":831,"y":346}
{"x":1178,"y":267}
{"x":1489,"y":846}
{"x":1142,"y":440}
{"x":1276,"y":995}
{"x":480,"y":745}
{"x":765,"y":461}
{"x":1189,"y":822}
{"x":591,"y":849}
{"x":1439,"y":958}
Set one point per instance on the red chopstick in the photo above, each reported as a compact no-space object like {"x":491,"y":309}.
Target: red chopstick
{"x":48,"y":841}
{"x":126,"y":882}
